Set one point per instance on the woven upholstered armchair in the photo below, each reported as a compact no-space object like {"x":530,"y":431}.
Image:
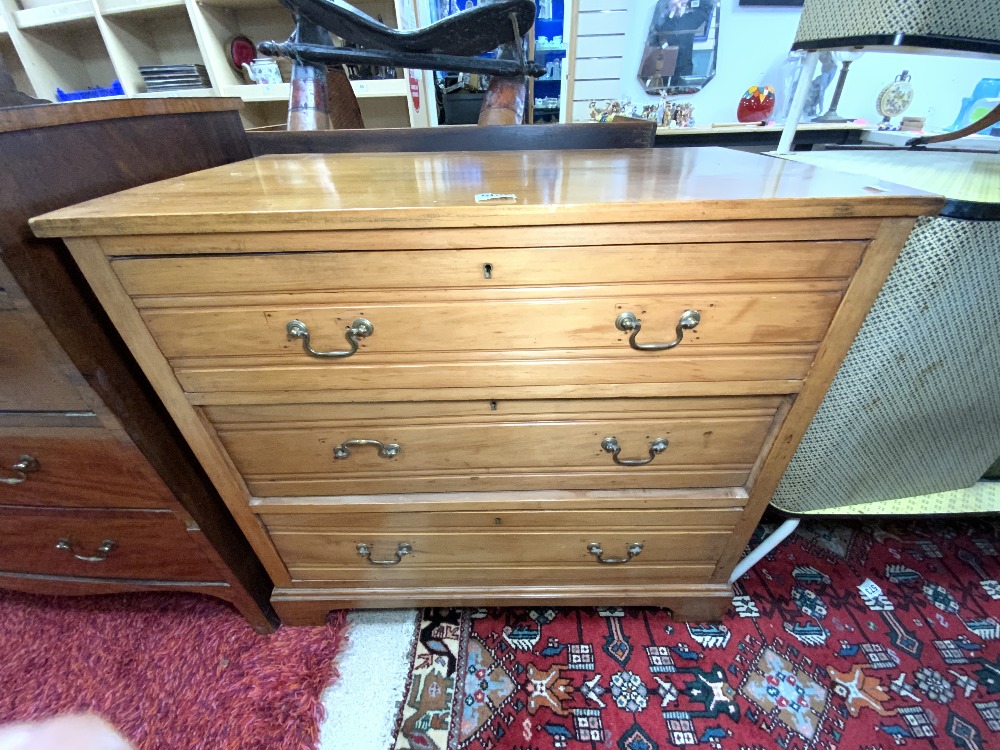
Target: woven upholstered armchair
{"x":912,"y":421}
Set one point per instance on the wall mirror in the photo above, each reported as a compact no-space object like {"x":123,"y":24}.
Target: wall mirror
{"x":681,"y":46}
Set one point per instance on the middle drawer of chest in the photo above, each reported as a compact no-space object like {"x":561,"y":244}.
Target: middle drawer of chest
{"x":297,"y":450}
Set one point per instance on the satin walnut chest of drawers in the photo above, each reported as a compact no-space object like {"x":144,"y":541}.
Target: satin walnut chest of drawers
{"x":585,"y":394}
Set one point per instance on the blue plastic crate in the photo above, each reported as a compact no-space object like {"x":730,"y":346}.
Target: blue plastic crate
{"x":115,"y":89}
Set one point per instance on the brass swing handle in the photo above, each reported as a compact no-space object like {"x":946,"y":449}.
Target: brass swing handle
{"x":610,"y":445}
{"x":360,"y":329}
{"x":107,"y":546}
{"x":402,"y":549}
{"x":632,"y":550}
{"x":628,"y":322}
{"x":385,"y":450}
{"x":22,"y":468}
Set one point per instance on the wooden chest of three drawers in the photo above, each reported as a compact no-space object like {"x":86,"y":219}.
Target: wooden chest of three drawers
{"x":584,"y":394}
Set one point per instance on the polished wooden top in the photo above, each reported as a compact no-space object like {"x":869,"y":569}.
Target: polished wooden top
{"x":958,"y":175}
{"x":364,"y":191}
{"x":72,"y":113}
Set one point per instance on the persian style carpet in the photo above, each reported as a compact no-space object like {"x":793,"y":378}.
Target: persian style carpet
{"x":846,"y":636}
{"x":170,"y":672}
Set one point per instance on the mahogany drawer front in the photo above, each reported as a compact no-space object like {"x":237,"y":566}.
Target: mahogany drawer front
{"x":490,"y":268}
{"x":480,"y":327}
{"x":522,"y":546}
{"x":683,"y":445}
{"x":151,"y":545}
{"x":90,"y":469}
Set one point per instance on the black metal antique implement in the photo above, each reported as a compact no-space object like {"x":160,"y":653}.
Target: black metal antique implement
{"x":453,"y":43}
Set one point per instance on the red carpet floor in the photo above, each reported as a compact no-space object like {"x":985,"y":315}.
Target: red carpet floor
{"x":170,"y":672}
{"x":804,"y":659}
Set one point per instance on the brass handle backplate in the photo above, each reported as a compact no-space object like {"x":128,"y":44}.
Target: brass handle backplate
{"x":26,"y":465}
{"x":610,"y":445}
{"x":402,"y":549}
{"x":627,"y":321}
{"x":107,"y":546}
{"x":360,"y":329}
{"x":631,"y":550}
{"x":385,"y":450}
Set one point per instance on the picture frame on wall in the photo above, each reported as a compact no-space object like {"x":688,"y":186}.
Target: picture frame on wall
{"x":773,"y":3}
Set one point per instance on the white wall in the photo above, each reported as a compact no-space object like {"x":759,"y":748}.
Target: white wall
{"x":753,"y":43}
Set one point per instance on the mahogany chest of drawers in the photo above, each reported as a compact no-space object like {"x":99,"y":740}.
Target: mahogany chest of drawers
{"x":82,"y":511}
{"x":98,"y":492}
{"x":412,"y":393}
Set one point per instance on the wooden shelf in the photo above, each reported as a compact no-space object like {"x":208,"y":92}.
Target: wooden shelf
{"x":181,"y":93}
{"x":382,"y":87}
{"x":238,"y":4}
{"x":50,"y":15}
{"x":249,"y":92}
{"x":115,"y":7}
{"x":279,"y":91}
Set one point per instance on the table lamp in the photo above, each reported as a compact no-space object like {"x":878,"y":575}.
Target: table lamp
{"x":966,"y":27}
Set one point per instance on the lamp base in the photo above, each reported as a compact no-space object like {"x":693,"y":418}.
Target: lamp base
{"x":832,"y":117}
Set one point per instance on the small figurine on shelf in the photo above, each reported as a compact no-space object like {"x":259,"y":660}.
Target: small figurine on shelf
{"x":894,"y":99}
{"x":672,"y":114}
{"x":654,"y":112}
{"x":756,"y":105}
{"x":544,"y":10}
{"x":611,"y":108}
{"x":683,"y":116}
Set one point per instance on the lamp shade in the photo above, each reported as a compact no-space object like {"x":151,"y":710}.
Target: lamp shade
{"x":959,"y":25}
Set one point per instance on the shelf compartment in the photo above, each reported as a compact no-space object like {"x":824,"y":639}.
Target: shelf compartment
{"x":71,"y":58}
{"x":157,"y":36}
{"x":14,"y":66}
{"x":58,"y":13}
{"x":217,"y":24}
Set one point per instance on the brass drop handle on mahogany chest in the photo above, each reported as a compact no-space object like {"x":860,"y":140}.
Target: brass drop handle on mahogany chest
{"x":107,"y":546}
{"x":627,"y":321}
{"x":26,"y":465}
{"x":360,"y":329}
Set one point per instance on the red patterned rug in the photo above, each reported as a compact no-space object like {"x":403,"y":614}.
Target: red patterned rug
{"x":170,"y":672}
{"x":806,"y":658}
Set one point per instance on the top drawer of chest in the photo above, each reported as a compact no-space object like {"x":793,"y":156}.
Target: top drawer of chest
{"x":474,"y":317}
{"x":237,"y":277}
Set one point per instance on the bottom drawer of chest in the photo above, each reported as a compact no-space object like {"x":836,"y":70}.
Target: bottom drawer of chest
{"x":146,"y":545}
{"x":512,"y":547}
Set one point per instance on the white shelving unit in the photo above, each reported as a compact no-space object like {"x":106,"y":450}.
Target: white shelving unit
{"x":84,"y":44}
